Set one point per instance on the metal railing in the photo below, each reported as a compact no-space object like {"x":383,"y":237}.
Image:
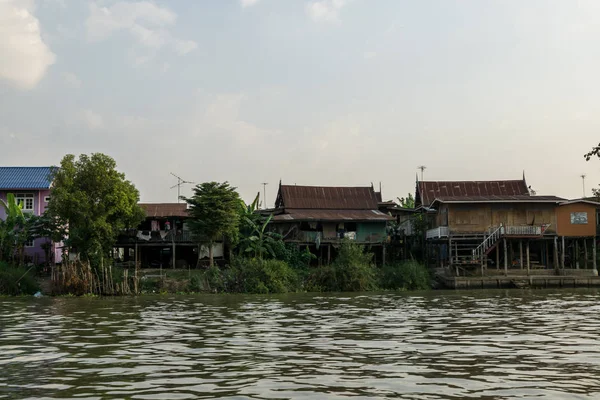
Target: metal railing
{"x":439,"y":232}
{"x":526,"y":230}
{"x":490,"y":240}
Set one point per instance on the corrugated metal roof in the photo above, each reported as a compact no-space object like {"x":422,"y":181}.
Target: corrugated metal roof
{"x":332,"y":215}
{"x":164,"y":210}
{"x":502,"y":198}
{"x":25,"y":177}
{"x":586,"y":201}
{"x":430,"y":190}
{"x":323,"y":198}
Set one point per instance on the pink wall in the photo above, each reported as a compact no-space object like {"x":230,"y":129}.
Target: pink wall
{"x":39,"y":206}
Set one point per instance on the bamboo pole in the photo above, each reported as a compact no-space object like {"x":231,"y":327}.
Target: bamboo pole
{"x":505,"y":257}
{"x":521,"y":253}
{"x":528,"y":266}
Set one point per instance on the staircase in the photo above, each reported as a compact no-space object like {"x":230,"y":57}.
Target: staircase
{"x":489,"y":243}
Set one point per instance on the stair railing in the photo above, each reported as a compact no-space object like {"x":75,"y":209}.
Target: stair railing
{"x":488,"y":242}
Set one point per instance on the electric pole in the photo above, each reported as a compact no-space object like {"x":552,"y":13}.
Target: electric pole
{"x":583,"y":183}
{"x":422,"y":168}
{"x":264,"y":194}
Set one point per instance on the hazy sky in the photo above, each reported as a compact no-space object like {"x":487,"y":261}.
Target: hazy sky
{"x":313,"y":92}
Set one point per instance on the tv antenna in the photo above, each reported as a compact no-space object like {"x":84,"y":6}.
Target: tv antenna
{"x":180,"y":181}
{"x":583,"y":183}
{"x":265,"y":194}
{"x":422,"y":168}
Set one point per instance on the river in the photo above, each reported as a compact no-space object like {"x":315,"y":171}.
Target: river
{"x":435,"y":345}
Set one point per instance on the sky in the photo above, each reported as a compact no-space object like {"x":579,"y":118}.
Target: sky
{"x":307,"y":92}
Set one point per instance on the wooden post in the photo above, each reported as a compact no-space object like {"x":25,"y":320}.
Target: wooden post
{"x":577,"y":253}
{"x":521,"y":253}
{"x":498,"y":256}
{"x":136,"y":255}
{"x":528,"y":257}
{"x":585,"y":253}
{"x":594,"y":253}
{"x":174,"y":258}
{"x":562,"y":254}
{"x":505,"y":258}
{"x":555,"y":258}
{"x":546,"y":262}
{"x":329,"y":254}
{"x":450,"y":251}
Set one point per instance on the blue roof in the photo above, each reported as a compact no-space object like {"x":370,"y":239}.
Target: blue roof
{"x":25,"y":177}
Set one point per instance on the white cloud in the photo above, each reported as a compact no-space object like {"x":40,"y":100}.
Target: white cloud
{"x":185,"y":46}
{"x":248,"y":3}
{"x":72,"y":80}
{"x":369,"y":54}
{"x":325,"y":10}
{"x":92,"y":119}
{"x":24,"y":57}
{"x":146,"y":22}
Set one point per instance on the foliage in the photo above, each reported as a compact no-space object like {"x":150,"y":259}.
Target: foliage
{"x":16,"y":281}
{"x":214,"y":213}
{"x":260,"y":241}
{"x":263,"y":276}
{"x":353,"y":270}
{"x":406,"y":275}
{"x":407,"y":202}
{"x":15,"y":230}
{"x":595,"y":151}
{"x":95,"y":201}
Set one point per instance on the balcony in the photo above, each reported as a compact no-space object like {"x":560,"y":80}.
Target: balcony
{"x":166,"y":237}
{"x":439,"y":232}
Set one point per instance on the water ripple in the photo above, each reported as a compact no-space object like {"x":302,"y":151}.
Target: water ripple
{"x":440,"y":345}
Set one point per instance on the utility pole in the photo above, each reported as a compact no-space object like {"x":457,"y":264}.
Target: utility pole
{"x":265,"y":194}
{"x":422,"y":168}
{"x":583,"y":183}
{"x":180,"y":181}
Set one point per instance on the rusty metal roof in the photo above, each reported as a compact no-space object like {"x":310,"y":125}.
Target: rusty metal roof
{"x":164,"y":210}
{"x":332,"y":215}
{"x":499,"y":199}
{"x":326,"y":198}
{"x":428,"y":191}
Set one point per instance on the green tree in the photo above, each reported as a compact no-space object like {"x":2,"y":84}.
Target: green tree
{"x":10,"y":227}
{"x":407,"y":202}
{"x":95,"y":202}
{"x":214,"y":213}
{"x":595,"y":151}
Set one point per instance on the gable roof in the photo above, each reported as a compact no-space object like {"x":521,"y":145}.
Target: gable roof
{"x":14,"y":178}
{"x":428,"y":191}
{"x":584,"y":200}
{"x":326,"y":198}
{"x":164,"y":210}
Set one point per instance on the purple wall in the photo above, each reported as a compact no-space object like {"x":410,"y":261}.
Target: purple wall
{"x":39,"y":206}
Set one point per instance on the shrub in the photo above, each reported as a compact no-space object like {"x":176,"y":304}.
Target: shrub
{"x":406,"y":275}
{"x":17,"y":280}
{"x":264,"y":276}
{"x":352,"y":271}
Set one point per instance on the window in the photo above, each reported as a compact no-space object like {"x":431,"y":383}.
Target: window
{"x":26,"y":201}
{"x":47,"y":199}
{"x":579,"y":218}
{"x":30,"y":243}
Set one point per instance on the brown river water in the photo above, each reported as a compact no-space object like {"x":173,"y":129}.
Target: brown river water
{"x":511,"y":344}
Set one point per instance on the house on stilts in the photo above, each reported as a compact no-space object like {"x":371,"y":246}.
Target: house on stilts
{"x":491,"y":228}
{"x":321,"y":217}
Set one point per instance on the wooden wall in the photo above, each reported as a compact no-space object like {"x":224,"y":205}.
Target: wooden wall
{"x":566,"y":228}
{"x":477,"y":218}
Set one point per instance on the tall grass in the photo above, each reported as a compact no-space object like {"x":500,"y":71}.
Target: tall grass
{"x":16,"y":281}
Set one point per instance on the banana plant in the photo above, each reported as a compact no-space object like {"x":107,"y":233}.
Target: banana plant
{"x":261,"y":241}
{"x":11,"y":228}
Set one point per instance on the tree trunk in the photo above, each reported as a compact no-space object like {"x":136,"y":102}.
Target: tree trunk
{"x":210,"y":254}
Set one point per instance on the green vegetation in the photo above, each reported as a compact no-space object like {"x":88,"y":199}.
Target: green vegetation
{"x":16,"y":281}
{"x":214,"y":213}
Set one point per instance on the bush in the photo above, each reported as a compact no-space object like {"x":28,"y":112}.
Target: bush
{"x":263,"y":276}
{"x":352,"y":271}
{"x":17,"y":280}
{"x":406,"y":275}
